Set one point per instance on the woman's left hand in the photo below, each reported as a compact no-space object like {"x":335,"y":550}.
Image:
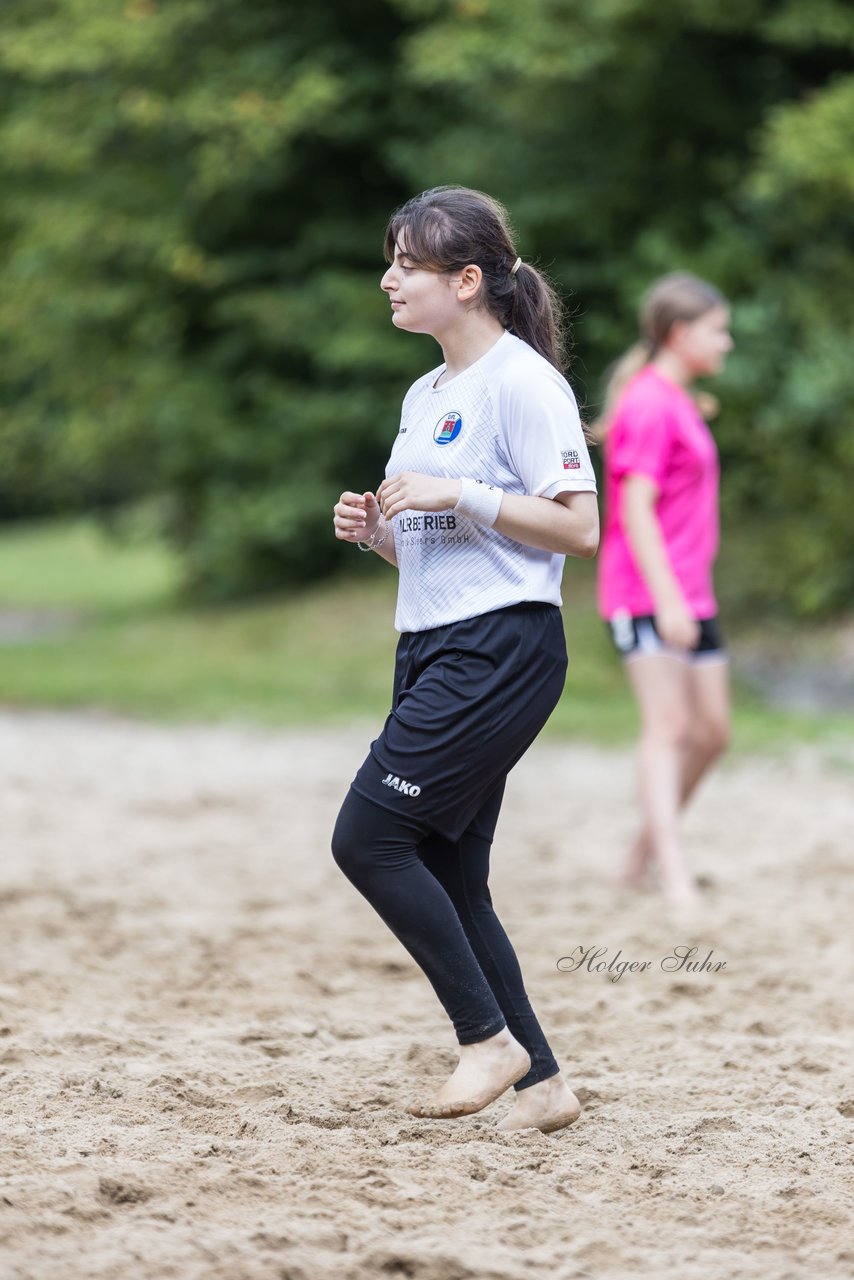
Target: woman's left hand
{"x":411,"y":491}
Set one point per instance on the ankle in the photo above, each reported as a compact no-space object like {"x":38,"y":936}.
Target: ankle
{"x":551,"y":1084}
{"x":501,"y":1040}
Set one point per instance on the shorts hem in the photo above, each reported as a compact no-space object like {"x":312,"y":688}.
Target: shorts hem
{"x":381,"y":804}
{"x":422,"y":820}
{"x":637,"y":636}
{"x":709,"y":658}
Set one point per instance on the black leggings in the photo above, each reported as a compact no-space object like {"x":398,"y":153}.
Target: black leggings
{"x":433,"y":895}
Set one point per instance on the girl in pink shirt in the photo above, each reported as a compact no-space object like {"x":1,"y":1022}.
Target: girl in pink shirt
{"x":655,"y":567}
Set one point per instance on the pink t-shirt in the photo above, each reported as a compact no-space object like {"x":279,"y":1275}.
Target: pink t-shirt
{"x":657,"y":431}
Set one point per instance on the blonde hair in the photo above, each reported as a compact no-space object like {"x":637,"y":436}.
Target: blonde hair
{"x":674,"y":297}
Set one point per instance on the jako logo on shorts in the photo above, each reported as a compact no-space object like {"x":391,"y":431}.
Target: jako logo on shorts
{"x":448,"y":428}
{"x":397,"y":784}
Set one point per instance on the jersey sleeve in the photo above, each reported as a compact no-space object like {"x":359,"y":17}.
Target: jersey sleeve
{"x":543,"y":437}
{"x":641,"y":438}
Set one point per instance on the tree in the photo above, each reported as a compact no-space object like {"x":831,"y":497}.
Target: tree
{"x":636,"y":138}
{"x":196,"y":195}
{"x":193,"y":244}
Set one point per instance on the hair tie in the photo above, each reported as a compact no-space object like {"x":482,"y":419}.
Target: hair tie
{"x":516,"y":265}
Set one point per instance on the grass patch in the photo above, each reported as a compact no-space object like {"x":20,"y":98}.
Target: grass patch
{"x":323,"y":656}
{"x":79,"y":565}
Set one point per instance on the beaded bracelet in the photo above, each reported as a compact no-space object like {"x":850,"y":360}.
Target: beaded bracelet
{"x":372,"y":544}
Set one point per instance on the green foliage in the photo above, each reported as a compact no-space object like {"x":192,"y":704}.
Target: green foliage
{"x":190,"y":302}
{"x":794,"y":506}
{"x":635,"y":138}
{"x":194,"y":199}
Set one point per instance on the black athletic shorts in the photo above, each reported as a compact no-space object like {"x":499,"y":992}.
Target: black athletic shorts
{"x":634,"y":637}
{"x":468,"y":700}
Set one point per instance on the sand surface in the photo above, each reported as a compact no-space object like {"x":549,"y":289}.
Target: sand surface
{"x":207,"y":1039}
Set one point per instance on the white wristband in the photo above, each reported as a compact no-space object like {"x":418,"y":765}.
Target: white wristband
{"x":479,"y":501}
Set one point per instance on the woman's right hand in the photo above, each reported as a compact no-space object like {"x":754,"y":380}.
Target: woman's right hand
{"x":677,"y":628}
{"x":356,"y":516}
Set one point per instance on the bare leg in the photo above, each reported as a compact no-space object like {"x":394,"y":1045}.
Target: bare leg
{"x":695,"y":760}
{"x":660,"y":684}
{"x":708,"y":686}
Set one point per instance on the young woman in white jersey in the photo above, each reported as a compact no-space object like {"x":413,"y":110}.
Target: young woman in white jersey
{"x":489,"y":486}
{"x":655,"y":569}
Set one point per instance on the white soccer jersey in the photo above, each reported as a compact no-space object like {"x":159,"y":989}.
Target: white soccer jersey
{"x":509,"y":420}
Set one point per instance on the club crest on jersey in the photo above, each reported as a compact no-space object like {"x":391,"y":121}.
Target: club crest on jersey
{"x":448,"y":428}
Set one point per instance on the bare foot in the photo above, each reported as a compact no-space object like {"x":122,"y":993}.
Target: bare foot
{"x":485,"y":1070}
{"x":637,"y":868}
{"x":680,"y":890}
{"x":631,"y":878}
{"x":546,"y":1106}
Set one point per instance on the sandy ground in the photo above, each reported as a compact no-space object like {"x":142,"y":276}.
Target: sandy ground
{"x":207,"y":1039}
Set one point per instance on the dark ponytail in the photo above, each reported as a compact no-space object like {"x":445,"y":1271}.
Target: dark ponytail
{"x":537,"y":315}
{"x":448,"y":228}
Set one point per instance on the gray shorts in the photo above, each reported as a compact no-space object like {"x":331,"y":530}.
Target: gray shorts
{"x":635,"y":637}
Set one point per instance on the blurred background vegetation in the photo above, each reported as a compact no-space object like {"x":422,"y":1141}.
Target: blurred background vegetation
{"x":191,"y":330}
